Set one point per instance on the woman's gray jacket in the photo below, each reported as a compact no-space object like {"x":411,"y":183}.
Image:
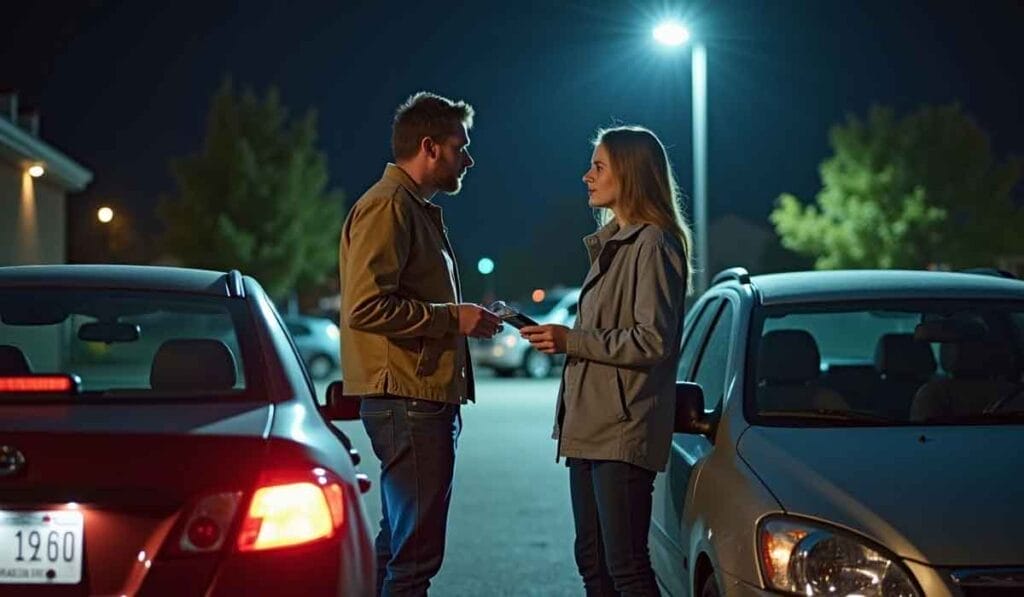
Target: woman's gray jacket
{"x":617,"y":398}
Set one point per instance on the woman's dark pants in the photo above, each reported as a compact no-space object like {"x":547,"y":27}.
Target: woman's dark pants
{"x":611,"y":505}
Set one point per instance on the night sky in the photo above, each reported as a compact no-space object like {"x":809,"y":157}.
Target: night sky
{"x":125,"y":86}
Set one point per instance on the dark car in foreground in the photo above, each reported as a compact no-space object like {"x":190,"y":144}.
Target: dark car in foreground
{"x":159,"y":435}
{"x":857,"y":433}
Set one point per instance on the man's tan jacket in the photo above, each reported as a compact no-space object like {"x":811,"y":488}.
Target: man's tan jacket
{"x":399,"y":288}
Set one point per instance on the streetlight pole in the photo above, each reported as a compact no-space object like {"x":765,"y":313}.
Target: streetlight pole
{"x":674,"y":34}
{"x":699,"y":68}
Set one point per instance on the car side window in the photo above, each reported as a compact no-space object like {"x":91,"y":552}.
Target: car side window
{"x":572,"y":309}
{"x":297,"y":329}
{"x":714,"y":359}
{"x":695,"y":338}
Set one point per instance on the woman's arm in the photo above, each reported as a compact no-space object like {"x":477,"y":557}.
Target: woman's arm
{"x":660,"y":291}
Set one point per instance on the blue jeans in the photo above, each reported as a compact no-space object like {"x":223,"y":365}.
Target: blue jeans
{"x":611,"y":506}
{"x":415,"y":443}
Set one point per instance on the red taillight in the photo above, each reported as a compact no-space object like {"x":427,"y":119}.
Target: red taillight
{"x":49,"y":384}
{"x":287,"y":514}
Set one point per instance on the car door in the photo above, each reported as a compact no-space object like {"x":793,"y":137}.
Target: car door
{"x":668,"y":497}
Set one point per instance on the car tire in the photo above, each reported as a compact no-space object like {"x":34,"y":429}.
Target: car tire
{"x":320,"y":367}
{"x":710,"y":586}
{"x":537,"y":365}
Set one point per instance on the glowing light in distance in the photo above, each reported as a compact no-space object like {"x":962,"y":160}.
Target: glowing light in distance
{"x":485,"y":265}
{"x":671,"y":33}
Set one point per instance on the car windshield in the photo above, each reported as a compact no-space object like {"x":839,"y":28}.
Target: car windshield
{"x":890,"y":363}
{"x":126,"y":343}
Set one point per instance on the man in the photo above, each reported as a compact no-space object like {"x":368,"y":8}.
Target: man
{"x":403,"y":333}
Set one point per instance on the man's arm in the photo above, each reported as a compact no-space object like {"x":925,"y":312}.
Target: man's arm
{"x":379,"y":239}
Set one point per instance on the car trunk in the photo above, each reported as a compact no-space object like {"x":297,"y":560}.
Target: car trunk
{"x":122,"y":476}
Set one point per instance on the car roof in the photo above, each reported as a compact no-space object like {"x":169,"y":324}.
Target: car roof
{"x":852,"y":285}
{"x":122,"y":277}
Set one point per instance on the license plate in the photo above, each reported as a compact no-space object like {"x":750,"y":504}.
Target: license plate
{"x":41,"y":547}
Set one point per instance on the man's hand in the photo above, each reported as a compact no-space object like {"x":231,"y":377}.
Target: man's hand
{"x":548,"y":338}
{"x":477,"y":322}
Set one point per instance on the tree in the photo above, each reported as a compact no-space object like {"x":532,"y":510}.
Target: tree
{"x":923,"y":190}
{"x":253,"y":198}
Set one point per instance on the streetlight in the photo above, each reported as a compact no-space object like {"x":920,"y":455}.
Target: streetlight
{"x":36,"y":171}
{"x":104,"y":214}
{"x":671,"y":33}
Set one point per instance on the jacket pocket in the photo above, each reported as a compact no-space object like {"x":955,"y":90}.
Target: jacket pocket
{"x":430,"y":351}
{"x":620,"y":388}
{"x":426,"y":408}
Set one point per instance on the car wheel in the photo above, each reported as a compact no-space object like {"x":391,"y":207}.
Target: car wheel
{"x":537,"y":365}
{"x":710,"y":587}
{"x":320,"y":367}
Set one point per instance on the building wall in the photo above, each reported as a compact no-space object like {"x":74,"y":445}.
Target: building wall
{"x":32,"y":218}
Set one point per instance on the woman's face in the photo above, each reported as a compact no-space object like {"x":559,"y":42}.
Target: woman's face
{"x":602,"y":183}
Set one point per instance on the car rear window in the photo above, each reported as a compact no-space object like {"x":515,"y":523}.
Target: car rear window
{"x":127,"y":342}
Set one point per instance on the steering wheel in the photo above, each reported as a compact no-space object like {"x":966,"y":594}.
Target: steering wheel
{"x":1002,"y":401}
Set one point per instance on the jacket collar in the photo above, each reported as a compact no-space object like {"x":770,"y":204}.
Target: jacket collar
{"x":610,"y":236}
{"x":610,"y":232}
{"x":395,"y":173}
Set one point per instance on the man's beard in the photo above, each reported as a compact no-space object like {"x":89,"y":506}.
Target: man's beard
{"x":450,"y":185}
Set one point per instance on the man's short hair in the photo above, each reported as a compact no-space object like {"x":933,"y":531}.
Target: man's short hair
{"x":426,"y":114}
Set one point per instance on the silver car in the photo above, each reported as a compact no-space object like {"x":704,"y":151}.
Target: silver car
{"x":507,"y":353}
{"x":317,"y":340}
{"x":847,"y":433}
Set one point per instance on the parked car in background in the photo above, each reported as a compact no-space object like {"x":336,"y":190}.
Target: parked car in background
{"x":858,"y":433}
{"x":317,"y":341}
{"x":507,"y":353}
{"x":159,"y":435}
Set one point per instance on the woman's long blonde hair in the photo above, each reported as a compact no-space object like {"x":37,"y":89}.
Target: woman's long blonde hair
{"x":649,"y":194}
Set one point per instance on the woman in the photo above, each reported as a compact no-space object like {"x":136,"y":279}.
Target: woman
{"x":617,"y":399}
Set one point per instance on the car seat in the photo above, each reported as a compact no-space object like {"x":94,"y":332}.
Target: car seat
{"x":789,"y":366}
{"x":193,"y":365}
{"x":13,"y":361}
{"x":979,"y":374}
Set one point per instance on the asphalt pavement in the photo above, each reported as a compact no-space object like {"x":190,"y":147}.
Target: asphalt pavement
{"x":510,"y":529}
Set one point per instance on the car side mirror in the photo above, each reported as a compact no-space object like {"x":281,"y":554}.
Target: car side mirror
{"x":338,"y":406}
{"x":690,"y":417}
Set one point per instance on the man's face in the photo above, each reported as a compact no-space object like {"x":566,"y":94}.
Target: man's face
{"x":452,"y":161}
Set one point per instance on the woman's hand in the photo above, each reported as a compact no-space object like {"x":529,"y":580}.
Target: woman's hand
{"x":549,"y":338}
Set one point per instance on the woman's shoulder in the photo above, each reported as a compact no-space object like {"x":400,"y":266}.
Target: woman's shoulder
{"x":657,"y":237}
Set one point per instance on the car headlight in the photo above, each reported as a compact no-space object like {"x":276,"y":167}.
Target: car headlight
{"x":810,"y":559}
{"x":332,"y":332}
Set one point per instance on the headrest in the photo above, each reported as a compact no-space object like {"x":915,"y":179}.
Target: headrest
{"x":13,"y":361}
{"x":980,"y":359}
{"x":788,"y":356}
{"x":900,"y":355}
{"x":193,"y":364}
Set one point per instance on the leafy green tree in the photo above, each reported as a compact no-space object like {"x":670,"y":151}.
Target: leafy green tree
{"x":907,"y":193}
{"x":254,"y":197}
